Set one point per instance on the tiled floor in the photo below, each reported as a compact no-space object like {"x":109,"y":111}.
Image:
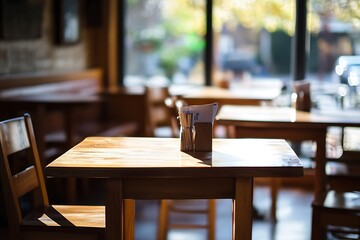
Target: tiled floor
{"x":294,"y":218}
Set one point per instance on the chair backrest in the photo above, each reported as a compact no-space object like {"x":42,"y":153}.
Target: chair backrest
{"x":20,"y":168}
{"x":343,"y":173}
{"x":157,"y":114}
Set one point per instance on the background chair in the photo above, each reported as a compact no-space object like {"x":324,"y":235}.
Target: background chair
{"x":336,"y":214}
{"x":157,"y":115}
{"x":195,"y":208}
{"x":302,"y":102}
{"x":170,"y":209}
{"x":29,"y":214}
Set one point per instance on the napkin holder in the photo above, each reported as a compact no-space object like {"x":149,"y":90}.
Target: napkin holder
{"x":186,"y":132}
{"x":203,"y":136}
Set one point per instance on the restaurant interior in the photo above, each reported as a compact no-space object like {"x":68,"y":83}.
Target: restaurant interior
{"x":109,"y":69}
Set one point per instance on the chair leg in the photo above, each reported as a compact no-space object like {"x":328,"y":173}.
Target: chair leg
{"x":316,"y":225}
{"x":163,"y":220}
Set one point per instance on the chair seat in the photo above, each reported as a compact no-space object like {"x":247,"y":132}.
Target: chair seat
{"x":60,"y":218}
{"x":343,"y":233}
{"x":25,"y":192}
{"x":340,"y":215}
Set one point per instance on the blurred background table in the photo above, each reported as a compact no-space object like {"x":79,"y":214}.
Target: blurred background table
{"x":290,"y":124}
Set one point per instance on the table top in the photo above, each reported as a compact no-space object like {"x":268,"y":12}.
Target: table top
{"x":234,"y":94}
{"x":249,"y":115}
{"x":129,"y":157}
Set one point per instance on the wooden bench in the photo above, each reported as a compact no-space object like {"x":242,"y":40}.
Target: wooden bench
{"x":81,"y":82}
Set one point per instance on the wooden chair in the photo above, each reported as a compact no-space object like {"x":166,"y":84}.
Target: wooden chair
{"x":23,"y":185}
{"x":301,"y":89}
{"x":157,"y":115}
{"x":181,"y":207}
{"x":337,"y":211}
{"x":193,"y":207}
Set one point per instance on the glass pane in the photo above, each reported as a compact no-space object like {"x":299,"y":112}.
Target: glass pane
{"x":334,"y":59}
{"x":253,"y":39}
{"x":164,"y":44}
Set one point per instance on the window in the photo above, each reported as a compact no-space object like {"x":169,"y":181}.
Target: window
{"x":334,"y":31}
{"x":251,"y":39}
{"x":164,"y":44}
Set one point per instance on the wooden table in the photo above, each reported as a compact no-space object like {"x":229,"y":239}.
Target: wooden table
{"x":155,"y":168}
{"x":287,"y":123}
{"x":235,"y":96}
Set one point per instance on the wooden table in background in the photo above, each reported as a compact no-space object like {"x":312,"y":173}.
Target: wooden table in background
{"x":239,"y":92}
{"x":234,"y":96}
{"x":39,"y":106}
{"x":287,"y":123}
{"x":155,"y":168}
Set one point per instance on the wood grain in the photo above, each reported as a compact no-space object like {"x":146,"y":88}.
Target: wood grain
{"x":130,"y":157}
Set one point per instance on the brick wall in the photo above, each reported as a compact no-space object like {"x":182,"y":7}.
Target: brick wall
{"x":43,"y":54}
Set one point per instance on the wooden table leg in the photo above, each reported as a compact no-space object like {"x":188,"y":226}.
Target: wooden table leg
{"x":162,"y":223}
{"x":114,"y":210}
{"x":275,"y":183}
{"x":320,"y":155}
{"x":212,"y":218}
{"x":242,"y":209}
{"x":69,"y":135}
